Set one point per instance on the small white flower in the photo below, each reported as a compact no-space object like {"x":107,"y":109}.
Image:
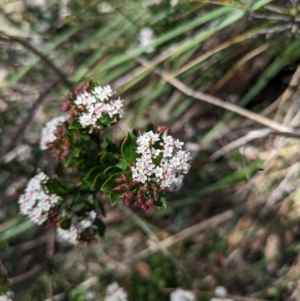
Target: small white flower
{"x":115,"y":293}
{"x":94,"y":104}
{"x":182,"y":295}
{"x":220,"y":299}
{"x":5,"y":298}
{"x":148,"y":3}
{"x":220,"y":291}
{"x":85,"y":224}
{"x":72,"y":235}
{"x":103,"y":93}
{"x":104,"y":7}
{"x":69,"y":236}
{"x":168,"y":170}
{"x":92,"y":215}
{"x":146,"y":37}
{"x":174,"y":2}
{"x":36,"y":201}
{"x":48,"y":132}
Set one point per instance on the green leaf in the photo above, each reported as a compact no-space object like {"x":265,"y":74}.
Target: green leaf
{"x":100,"y":226}
{"x":65,"y":223}
{"x":114,"y":198}
{"x":104,"y":143}
{"x":110,"y":183}
{"x":76,"y":196}
{"x":98,"y":181}
{"x":72,"y":136}
{"x":105,"y":120}
{"x":161,"y":202}
{"x":108,"y":159}
{"x":58,"y":187}
{"x":81,"y":209}
{"x":73,"y":156}
{"x":93,"y":173}
{"x":122,"y":165}
{"x":85,"y":187}
{"x":112,"y":170}
{"x":75,"y":125}
{"x":128,"y":149}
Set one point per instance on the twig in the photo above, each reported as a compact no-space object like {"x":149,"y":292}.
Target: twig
{"x":42,"y":56}
{"x":188,"y":232}
{"x":25,"y":122}
{"x":211,"y":294}
{"x":289,"y":92}
{"x":84,"y":285}
{"x":220,"y":103}
{"x":35,"y":270}
{"x":153,"y":238}
{"x":49,"y":256}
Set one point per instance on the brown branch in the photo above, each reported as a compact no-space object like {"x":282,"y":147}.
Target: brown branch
{"x":42,"y":56}
{"x":25,"y":122}
{"x":186,"y":233}
{"x":221,"y":103}
{"x":35,"y":270}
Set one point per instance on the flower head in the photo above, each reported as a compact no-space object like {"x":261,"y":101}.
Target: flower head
{"x":115,"y":293}
{"x":81,"y":229}
{"x":37,"y":202}
{"x":69,"y":236}
{"x":221,"y":293}
{"x":93,"y":106}
{"x":182,"y":295}
{"x":161,"y":160}
{"x":5,"y":298}
{"x":146,"y":37}
{"x":49,"y":131}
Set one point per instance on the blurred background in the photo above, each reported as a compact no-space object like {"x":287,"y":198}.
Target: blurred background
{"x":235,"y":221}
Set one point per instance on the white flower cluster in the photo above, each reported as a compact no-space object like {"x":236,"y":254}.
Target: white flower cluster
{"x":174,"y":162}
{"x":220,"y":299}
{"x":48,"y":132}
{"x":115,"y":293}
{"x":146,"y":37}
{"x":149,"y":3}
{"x":5,"y":298}
{"x":36,"y":202}
{"x":221,"y":293}
{"x":182,"y":295}
{"x":96,"y":103}
{"x":71,"y":236}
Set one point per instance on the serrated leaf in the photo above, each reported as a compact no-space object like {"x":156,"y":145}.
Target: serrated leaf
{"x":128,"y":149}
